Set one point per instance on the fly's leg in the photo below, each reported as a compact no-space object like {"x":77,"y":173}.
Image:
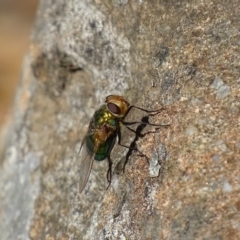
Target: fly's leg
{"x":109,"y":172}
{"x":140,"y":128}
{"x":151,"y":112}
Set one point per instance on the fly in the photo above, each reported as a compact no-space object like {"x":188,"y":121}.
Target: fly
{"x":101,"y":136}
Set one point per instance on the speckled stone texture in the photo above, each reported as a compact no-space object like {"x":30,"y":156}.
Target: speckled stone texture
{"x":182,"y":55}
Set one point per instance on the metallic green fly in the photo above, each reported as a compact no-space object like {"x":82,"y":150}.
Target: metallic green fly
{"x":101,"y":136}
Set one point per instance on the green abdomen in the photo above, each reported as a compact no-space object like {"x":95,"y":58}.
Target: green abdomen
{"x":103,"y":150}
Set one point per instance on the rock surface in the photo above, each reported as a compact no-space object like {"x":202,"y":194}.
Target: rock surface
{"x":183,"y":55}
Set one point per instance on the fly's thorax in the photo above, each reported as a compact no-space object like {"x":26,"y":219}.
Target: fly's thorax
{"x":104,"y":116}
{"x":103,"y":125}
{"x":100,"y":116}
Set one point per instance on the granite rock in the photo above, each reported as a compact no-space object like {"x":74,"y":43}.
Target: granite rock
{"x":169,"y":54}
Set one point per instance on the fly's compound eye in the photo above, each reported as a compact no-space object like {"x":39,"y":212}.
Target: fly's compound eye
{"x":113,"y":108}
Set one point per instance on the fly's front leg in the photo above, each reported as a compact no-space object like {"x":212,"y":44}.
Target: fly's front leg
{"x":150,"y":112}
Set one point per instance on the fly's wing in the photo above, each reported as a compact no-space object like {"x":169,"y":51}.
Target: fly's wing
{"x":86,"y":161}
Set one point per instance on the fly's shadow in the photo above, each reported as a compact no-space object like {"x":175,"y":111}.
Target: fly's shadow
{"x":138,"y":134}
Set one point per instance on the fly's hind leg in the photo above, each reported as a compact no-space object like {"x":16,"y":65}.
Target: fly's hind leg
{"x":109,"y":172}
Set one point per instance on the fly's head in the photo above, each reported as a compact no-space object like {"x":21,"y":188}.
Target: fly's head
{"x":117,"y":106}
